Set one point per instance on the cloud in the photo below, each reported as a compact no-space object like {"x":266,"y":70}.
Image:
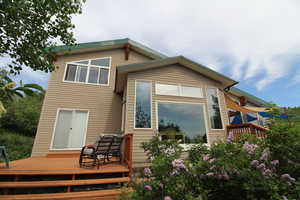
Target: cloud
{"x":246,"y":40}
{"x":251,"y":35}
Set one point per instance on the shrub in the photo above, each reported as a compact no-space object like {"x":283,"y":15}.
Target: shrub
{"x":248,"y":169}
{"x":23,"y":115}
{"x":18,"y":146}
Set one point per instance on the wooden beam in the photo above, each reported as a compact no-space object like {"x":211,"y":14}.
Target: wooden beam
{"x":127,"y":51}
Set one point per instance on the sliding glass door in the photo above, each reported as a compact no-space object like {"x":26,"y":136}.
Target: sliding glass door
{"x":70,"y":129}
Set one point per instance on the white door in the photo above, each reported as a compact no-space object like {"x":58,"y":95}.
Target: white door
{"x":70,"y":129}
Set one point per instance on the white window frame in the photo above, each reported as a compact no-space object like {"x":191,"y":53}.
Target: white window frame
{"x":220,"y":107}
{"x":54,"y":128}
{"x":88,"y":71}
{"x":134,"y":113}
{"x":180,"y":90}
{"x":186,"y":146}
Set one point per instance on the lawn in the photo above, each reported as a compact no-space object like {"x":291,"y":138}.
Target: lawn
{"x":17,"y":145}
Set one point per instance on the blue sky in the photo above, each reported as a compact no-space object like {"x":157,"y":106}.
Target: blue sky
{"x":255,"y":42}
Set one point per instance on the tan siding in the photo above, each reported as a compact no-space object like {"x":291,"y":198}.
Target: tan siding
{"x":169,"y":74}
{"x":103,"y":104}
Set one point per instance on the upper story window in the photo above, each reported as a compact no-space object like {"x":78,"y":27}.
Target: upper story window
{"x":178,"y":90}
{"x":95,"y":71}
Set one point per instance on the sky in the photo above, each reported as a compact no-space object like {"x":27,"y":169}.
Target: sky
{"x":256,"y":42}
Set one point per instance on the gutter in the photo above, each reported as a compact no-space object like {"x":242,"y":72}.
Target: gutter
{"x":230,"y":86}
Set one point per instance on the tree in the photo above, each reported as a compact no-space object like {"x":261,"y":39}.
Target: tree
{"x":29,"y":29}
{"x":9,"y":90}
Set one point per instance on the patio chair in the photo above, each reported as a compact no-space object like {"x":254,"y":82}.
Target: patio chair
{"x":3,"y":154}
{"x":95,"y":151}
{"x":116,"y":148}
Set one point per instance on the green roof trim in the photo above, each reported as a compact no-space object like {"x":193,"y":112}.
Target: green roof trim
{"x":87,"y":45}
{"x":250,"y":96}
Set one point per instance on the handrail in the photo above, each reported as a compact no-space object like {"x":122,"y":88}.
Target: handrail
{"x":128,"y":145}
{"x":247,"y":128}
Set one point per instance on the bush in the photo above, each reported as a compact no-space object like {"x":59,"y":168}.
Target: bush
{"x":18,"y":146}
{"x":248,"y":169}
{"x":23,"y":115}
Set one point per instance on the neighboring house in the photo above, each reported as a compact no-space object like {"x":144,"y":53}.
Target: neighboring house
{"x":123,"y":86}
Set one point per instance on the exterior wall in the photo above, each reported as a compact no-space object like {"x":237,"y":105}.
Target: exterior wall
{"x":173,"y":74}
{"x":104,"y":106}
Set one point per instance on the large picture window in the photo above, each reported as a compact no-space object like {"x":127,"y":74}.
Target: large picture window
{"x":143,"y":104}
{"x":94,"y":71}
{"x":214,"y":109}
{"x":181,"y":121}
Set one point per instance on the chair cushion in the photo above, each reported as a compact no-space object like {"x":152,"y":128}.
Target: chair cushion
{"x":88,"y":151}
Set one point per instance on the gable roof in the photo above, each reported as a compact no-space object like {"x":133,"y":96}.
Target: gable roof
{"x":211,"y":74}
{"x":252,"y":98}
{"x":105,"y":45}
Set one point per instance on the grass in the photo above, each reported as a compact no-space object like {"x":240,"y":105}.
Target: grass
{"x":17,"y":145}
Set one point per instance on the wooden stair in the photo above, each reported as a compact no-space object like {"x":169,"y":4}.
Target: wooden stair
{"x":39,"y":184}
{"x":90,"y":195}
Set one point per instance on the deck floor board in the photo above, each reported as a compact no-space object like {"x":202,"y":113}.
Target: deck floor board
{"x":56,"y":166}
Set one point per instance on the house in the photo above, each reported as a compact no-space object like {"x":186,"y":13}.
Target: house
{"x":123,"y":86}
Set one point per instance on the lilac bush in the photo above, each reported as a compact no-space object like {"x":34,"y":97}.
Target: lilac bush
{"x":246,"y":169}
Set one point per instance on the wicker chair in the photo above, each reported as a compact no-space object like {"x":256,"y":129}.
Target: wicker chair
{"x":95,"y":151}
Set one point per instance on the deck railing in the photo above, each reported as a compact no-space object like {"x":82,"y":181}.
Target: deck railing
{"x":247,"y":128}
{"x":128,"y":145}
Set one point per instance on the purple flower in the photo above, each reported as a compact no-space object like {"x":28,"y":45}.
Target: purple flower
{"x":254,"y":163}
{"x":265,"y":154}
{"x":250,"y":148}
{"x":167,"y":198}
{"x":178,"y":164}
{"x":148,"y":187}
{"x":288,"y":178}
{"x":147,"y":172}
{"x":206,"y":157}
{"x":230,"y":138}
{"x":262,"y":166}
{"x":275,"y":162}
{"x":267,"y":172}
{"x":161,"y":185}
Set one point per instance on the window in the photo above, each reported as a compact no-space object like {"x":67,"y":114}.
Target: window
{"x":214,"y":109}
{"x":164,"y":89}
{"x":89,"y":71}
{"x":143,"y":104}
{"x":181,"y":121}
{"x":188,"y":91}
{"x":179,"y":90}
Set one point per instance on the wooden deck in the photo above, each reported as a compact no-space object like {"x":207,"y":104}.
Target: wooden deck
{"x":59,"y":176}
{"x":56,"y":166}
{"x":247,"y":128}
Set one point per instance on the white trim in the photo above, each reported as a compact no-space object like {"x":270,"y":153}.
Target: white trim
{"x":204,"y":113}
{"x":88,"y":71}
{"x":221,"y":114}
{"x":134,"y":113}
{"x":54,"y":127}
